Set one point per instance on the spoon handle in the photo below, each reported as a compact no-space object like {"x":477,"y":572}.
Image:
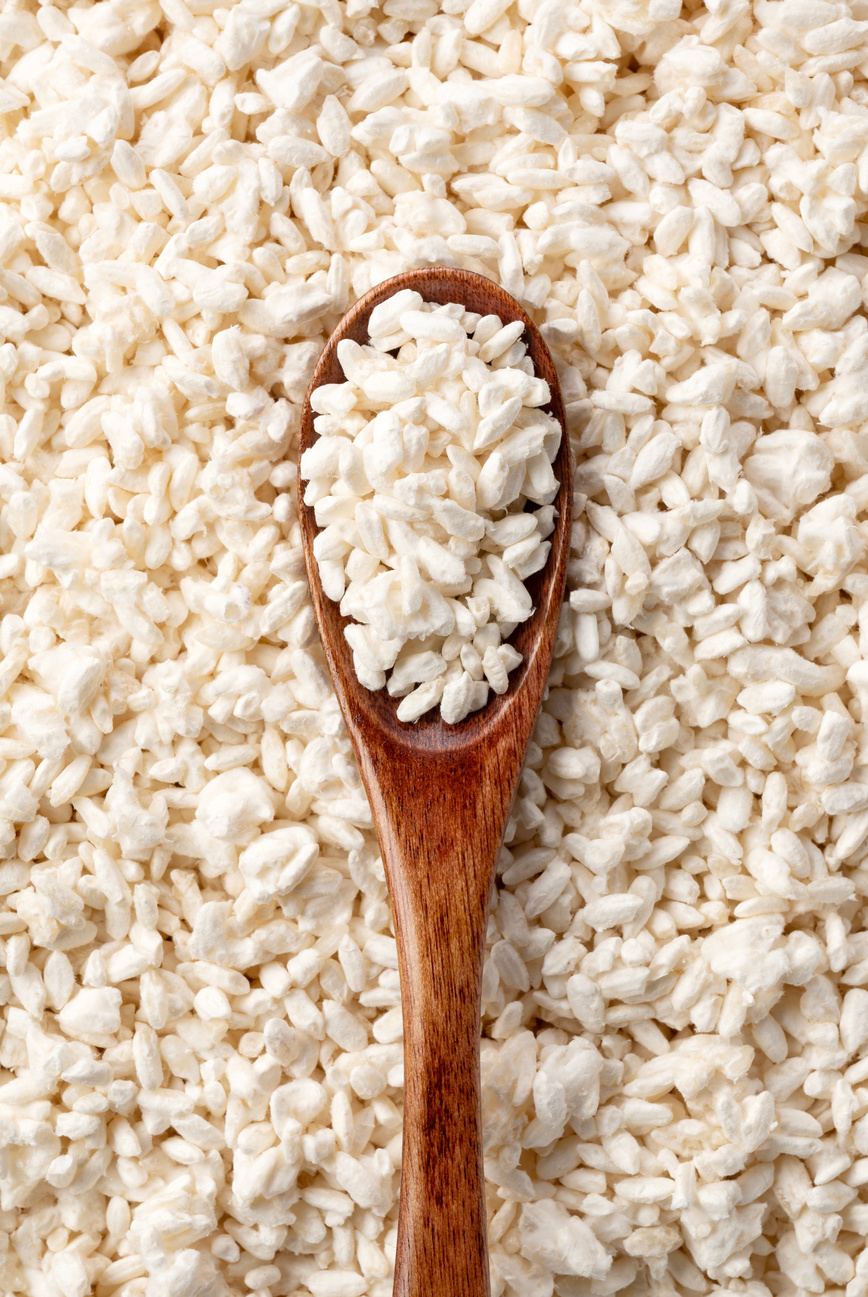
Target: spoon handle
{"x":440,"y":849}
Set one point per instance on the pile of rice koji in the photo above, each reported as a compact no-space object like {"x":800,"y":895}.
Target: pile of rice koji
{"x":200,"y":1054}
{"x":427,"y":456}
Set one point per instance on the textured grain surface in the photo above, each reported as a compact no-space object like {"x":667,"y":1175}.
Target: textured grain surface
{"x":440,"y":797}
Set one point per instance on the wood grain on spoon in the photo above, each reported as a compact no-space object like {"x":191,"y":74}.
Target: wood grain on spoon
{"x":440,"y":797}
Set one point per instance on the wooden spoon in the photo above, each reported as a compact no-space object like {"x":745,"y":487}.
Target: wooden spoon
{"x":440,"y":797}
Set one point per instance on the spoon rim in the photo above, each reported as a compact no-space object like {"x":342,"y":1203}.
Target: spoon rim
{"x":536,"y":635}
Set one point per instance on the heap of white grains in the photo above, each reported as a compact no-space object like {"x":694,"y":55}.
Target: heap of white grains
{"x":200,"y":1059}
{"x":427,"y":461}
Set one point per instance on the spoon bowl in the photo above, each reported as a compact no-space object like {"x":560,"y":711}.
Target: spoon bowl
{"x":440,"y":796}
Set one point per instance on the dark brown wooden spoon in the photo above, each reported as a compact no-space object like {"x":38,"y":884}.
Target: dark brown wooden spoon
{"x":440,"y":797}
